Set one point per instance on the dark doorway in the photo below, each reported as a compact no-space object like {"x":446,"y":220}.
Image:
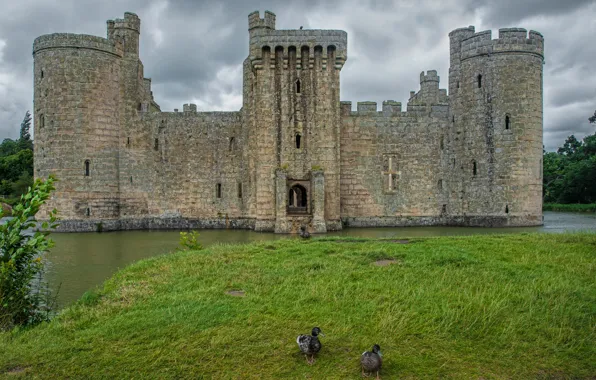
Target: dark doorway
{"x":297,"y":200}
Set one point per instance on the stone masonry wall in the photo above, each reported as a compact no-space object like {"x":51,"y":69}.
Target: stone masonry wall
{"x":377,"y":144}
{"x":473,"y":157}
{"x":77,"y":120}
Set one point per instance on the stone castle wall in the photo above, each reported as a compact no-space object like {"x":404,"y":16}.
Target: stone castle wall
{"x":470,"y":157}
{"x":77,"y":121}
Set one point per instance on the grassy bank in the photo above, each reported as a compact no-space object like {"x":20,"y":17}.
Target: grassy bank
{"x":515,"y":306}
{"x":572,"y":207}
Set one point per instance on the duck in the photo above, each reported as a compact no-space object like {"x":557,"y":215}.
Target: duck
{"x":304,"y":233}
{"x":310,"y":344}
{"x":371,"y":361}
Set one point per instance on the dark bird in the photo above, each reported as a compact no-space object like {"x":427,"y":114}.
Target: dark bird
{"x":372,"y":361}
{"x":300,"y":27}
{"x":304,"y":233}
{"x":310,"y":344}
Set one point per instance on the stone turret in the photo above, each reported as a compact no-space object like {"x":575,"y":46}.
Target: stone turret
{"x":498,"y":112}
{"x":77,"y":121}
{"x":295,"y":96}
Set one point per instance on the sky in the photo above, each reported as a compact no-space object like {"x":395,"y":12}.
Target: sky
{"x":193,"y":49}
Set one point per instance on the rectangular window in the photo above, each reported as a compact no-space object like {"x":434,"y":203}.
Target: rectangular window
{"x":239,"y":189}
{"x":218,"y":190}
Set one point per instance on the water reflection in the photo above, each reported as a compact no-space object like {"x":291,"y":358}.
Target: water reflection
{"x":82,"y":261}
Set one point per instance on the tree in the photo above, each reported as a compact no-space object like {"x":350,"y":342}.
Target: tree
{"x":570,"y":174}
{"x":25,"y":127}
{"x":570,"y":146}
{"x":592,"y":118}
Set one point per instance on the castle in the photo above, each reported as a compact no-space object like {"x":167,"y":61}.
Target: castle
{"x":294,"y":154}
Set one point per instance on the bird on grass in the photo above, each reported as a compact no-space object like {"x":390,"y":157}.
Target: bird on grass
{"x":371,"y":361}
{"x":310,"y":344}
{"x":304,"y":233}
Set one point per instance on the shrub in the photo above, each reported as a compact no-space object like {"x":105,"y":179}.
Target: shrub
{"x":190,"y":241}
{"x":22,"y":293}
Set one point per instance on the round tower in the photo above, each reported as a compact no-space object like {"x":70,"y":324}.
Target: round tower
{"x":498,"y":127}
{"x":77,"y":121}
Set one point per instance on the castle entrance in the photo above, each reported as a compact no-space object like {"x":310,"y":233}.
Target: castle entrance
{"x":298,"y":200}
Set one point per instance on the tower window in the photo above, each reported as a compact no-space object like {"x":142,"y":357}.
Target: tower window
{"x":130,"y":179}
{"x":506,"y":209}
{"x":298,"y":86}
{"x":474,"y":168}
{"x":139,"y":107}
{"x":457,"y":84}
{"x":218,"y":190}
{"x":41,"y":74}
{"x":88,"y":211}
{"x":442,"y":143}
{"x":232,"y":144}
{"x":507,"y":122}
{"x":453,"y":118}
{"x":87,"y":165}
{"x":440,"y":184}
{"x":239,"y":189}
{"x":42,"y":121}
{"x":479,"y":80}
{"x":298,"y":138}
{"x":156,"y":144}
{"x":128,"y":141}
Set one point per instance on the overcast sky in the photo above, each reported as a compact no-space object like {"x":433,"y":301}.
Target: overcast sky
{"x":193,"y":50}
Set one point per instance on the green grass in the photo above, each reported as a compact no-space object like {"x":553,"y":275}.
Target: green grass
{"x":492,"y":307}
{"x":572,"y":207}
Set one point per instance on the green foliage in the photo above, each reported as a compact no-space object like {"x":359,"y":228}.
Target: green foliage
{"x":189,"y":241}
{"x":16,"y":163}
{"x":592,"y":118}
{"x":21,"y":260}
{"x":517,"y":306}
{"x":25,"y":127}
{"x":569,"y":175}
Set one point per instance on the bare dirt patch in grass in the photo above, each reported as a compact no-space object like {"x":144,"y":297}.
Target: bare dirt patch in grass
{"x":15,"y":370}
{"x":400,"y":241}
{"x":385,"y":262}
{"x":236,"y":293}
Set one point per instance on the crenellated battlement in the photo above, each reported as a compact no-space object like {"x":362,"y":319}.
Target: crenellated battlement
{"x":189,"y":108}
{"x":130,"y":21}
{"x":255,"y":20}
{"x":304,"y":43}
{"x":391,"y":108}
{"x":511,"y":40}
{"x":431,"y":76}
{"x":76,"y":41}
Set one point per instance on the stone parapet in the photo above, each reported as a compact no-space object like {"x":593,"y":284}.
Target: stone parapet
{"x":511,"y":40}
{"x":76,"y":41}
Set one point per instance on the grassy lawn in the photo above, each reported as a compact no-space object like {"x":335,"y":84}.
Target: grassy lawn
{"x":492,"y":307}
{"x":572,"y":207}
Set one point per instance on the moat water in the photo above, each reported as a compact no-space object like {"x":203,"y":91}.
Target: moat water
{"x":82,"y":261}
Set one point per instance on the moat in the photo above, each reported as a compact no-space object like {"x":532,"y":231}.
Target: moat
{"x":81,"y":261}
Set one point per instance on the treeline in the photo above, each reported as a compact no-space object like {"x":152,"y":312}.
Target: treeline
{"x":569,"y":174}
{"x":16,"y":163}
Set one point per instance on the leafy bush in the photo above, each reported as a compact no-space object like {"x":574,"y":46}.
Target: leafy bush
{"x":190,"y":241}
{"x":22,"y":294}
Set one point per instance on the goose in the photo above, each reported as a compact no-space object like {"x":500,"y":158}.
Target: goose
{"x":372,"y":361}
{"x":304,"y":233}
{"x":309,"y":344}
